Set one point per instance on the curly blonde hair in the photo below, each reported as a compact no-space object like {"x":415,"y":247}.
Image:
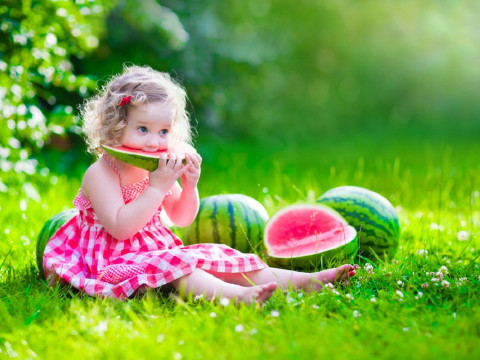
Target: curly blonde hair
{"x":104,"y":120}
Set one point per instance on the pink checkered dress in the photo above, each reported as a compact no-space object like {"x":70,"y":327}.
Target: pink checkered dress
{"x":82,"y":253}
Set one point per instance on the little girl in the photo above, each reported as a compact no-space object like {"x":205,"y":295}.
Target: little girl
{"x":117,"y":243}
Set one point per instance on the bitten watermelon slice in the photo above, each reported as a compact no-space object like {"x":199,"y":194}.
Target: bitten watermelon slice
{"x":145,"y":159}
{"x":308,"y":237}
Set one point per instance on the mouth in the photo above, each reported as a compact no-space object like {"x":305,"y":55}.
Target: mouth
{"x":155,"y":150}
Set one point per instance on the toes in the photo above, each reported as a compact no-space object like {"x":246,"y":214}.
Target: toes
{"x":270,"y":286}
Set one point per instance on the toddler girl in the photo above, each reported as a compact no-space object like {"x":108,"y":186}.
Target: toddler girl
{"x":117,"y":243}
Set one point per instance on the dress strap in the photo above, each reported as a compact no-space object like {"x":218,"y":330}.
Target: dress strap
{"x":112,"y":165}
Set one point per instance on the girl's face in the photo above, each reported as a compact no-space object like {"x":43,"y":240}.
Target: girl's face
{"x":148,"y":127}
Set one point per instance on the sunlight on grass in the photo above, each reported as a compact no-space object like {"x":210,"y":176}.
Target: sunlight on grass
{"x":423,"y":303}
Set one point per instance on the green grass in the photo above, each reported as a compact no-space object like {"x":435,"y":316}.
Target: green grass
{"x":432,"y":182}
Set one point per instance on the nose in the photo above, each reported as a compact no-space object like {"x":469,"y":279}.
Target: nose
{"x":155,"y":142}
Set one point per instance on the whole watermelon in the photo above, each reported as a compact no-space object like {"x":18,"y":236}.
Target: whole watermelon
{"x":48,"y":230}
{"x":371,"y":214}
{"x":235,"y":220}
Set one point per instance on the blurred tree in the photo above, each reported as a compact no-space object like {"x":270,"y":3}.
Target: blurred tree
{"x":37,"y":42}
{"x":42,"y":81}
{"x":305,"y":69}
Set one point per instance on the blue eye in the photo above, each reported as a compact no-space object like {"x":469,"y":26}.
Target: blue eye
{"x":142,"y":129}
{"x":164,"y":132}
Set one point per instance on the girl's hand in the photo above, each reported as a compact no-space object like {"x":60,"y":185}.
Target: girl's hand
{"x":167,"y":173}
{"x":190,"y":176}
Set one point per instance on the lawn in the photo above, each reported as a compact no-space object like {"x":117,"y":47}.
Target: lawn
{"x":424,"y":303}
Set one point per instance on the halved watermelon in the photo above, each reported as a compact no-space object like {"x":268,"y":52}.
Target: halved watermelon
{"x":145,"y":159}
{"x":308,"y":237}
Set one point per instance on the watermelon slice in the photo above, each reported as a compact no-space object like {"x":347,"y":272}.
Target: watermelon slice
{"x":145,"y":159}
{"x":308,"y":237}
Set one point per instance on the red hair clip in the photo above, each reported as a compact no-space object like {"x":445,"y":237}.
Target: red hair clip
{"x":125,"y":100}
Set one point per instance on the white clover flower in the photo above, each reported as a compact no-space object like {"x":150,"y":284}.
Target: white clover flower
{"x":101,"y":327}
{"x":314,"y":306}
{"x":329,"y":285}
{"x":445,"y":284}
{"x":198,"y":297}
{"x":400,"y":283}
{"x":435,"y":226}
{"x":399,"y":293}
{"x":356,"y":314}
{"x":406,"y":329}
{"x":213,"y":314}
{"x":368,"y":268}
{"x":434,"y":279}
{"x":224,"y":301}
{"x":373,"y":300}
{"x":349,"y":297}
{"x":422,"y":252}
{"x":419,"y":295}
{"x":239,"y":328}
{"x":275,"y":313}
{"x":462,"y":235}
{"x":443,"y":269}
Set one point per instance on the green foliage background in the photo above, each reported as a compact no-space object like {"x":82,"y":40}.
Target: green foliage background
{"x":272,"y":71}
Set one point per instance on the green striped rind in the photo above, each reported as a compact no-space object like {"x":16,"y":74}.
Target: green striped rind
{"x":371,"y":214}
{"x":149,"y":163}
{"x":345,"y":250}
{"x":146,"y":162}
{"x":235,"y":220}
{"x":48,"y":230}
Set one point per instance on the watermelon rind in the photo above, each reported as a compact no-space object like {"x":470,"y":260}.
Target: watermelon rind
{"x":345,"y":250}
{"x":49,"y":229}
{"x":374,"y":217}
{"x":143,"y":160}
{"x":235,"y":220}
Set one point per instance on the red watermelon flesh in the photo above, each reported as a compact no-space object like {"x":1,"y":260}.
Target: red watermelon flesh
{"x":302,"y":232}
{"x":126,"y":149}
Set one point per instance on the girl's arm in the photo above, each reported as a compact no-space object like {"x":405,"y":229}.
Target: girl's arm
{"x":102,"y":186}
{"x":182,"y":206}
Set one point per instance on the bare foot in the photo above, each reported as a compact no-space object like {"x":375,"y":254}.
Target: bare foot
{"x":343,"y":272}
{"x":258,"y":294}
